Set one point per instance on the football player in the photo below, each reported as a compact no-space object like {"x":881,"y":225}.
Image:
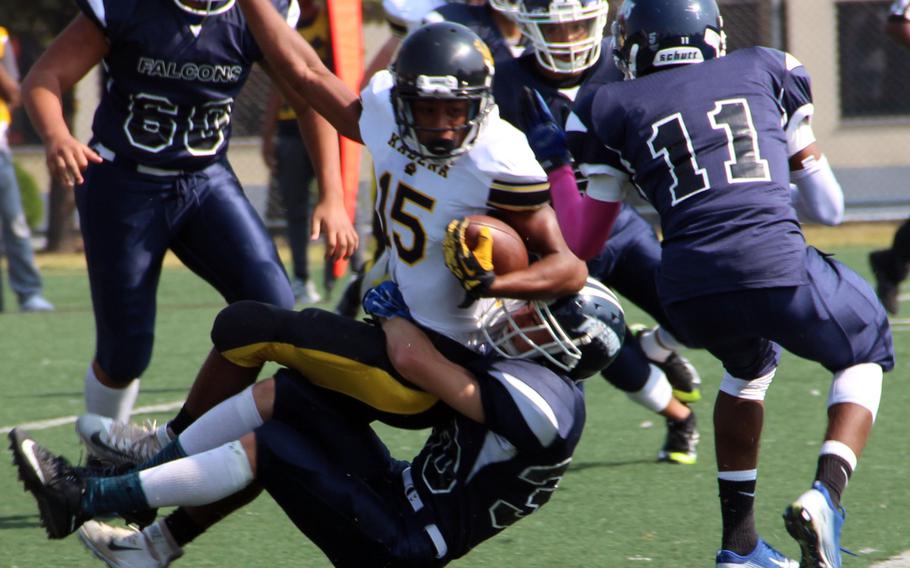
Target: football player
{"x":493,"y":21}
{"x":736,"y":275}
{"x":567,"y":39}
{"x":315,"y":453}
{"x":434,"y":128}
{"x":890,"y":265}
{"x":155,"y":176}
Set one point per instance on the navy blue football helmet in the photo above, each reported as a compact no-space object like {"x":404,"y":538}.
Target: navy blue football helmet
{"x":650,"y":35}
{"x":442,"y":61}
{"x":577,"y":335}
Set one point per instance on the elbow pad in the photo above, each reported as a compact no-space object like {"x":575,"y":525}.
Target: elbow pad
{"x":819,"y":196}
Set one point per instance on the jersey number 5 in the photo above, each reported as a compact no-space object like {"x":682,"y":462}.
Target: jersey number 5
{"x":404,"y":195}
{"x":670,"y":140}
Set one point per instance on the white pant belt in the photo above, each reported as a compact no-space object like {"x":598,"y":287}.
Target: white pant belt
{"x":417,"y":504}
{"x":110,"y":156}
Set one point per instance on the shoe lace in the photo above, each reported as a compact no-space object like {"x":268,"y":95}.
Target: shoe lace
{"x":132,"y":438}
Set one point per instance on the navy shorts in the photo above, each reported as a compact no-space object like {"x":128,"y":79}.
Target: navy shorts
{"x":629,"y":264}
{"x":129,"y":220}
{"x":630,"y":261}
{"x":835,"y":319}
{"x":336,"y":480}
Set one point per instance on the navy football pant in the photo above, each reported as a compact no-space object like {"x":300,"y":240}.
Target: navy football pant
{"x":335,"y":479}
{"x":129,"y":220}
{"x":628,"y":264}
{"x":835,"y":319}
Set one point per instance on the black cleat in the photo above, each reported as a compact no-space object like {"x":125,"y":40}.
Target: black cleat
{"x":680,"y":372}
{"x":682,"y":438}
{"x":683,"y":377}
{"x":888,"y":276}
{"x":55,"y":484}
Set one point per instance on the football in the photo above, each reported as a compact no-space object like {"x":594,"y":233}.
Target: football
{"x":509,"y":252}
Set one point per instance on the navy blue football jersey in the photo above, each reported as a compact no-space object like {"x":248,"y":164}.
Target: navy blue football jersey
{"x":171,"y":78}
{"x":480,"y":478}
{"x":706,"y":145}
{"x":512,"y":75}
{"x":480,"y":20}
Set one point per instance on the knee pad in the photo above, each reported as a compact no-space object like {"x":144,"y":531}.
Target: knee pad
{"x":657,"y":392}
{"x":754,"y":389}
{"x":860,"y":384}
{"x":245,"y":323}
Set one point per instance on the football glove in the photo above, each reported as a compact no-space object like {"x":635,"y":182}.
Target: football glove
{"x":473,"y":268}
{"x":546,"y":138}
{"x":385,"y":301}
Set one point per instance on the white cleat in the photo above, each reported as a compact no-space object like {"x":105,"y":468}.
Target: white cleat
{"x":118,"y":442}
{"x":152,"y":547}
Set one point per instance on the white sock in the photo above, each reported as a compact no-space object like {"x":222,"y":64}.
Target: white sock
{"x":667,"y":339}
{"x":227,"y":421}
{"x":103,"y":400}
{"x":163,"y":435}
{"x":651,"y":344}
{"x":841,"y":450}
{"x":657,"y":392}
{"x":198,"y":480}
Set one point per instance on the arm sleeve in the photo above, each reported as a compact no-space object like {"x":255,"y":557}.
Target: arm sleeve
{"x":816,"y":194}
{"x":527,"y":404}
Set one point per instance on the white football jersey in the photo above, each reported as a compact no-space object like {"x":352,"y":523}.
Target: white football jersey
{"x":404,"y":16}
{"x":416,"y":199}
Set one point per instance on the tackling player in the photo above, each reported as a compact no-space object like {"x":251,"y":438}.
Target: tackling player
{"x":737,"y":277}
{"x":567,"y":40}
{"x":497,"y":457}
{"x":156,"y":176}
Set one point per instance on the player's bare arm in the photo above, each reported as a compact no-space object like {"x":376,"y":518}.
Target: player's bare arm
{"x":76,"y":50}
{"x":557,"y":273}
{"x":321,"y":140}
{"x":9,"y":89}
{"x":304,"y":71}
{"x":414,"y":356}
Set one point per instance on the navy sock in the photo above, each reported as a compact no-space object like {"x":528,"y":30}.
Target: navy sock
{"x":180,"y":422}
{"x":183,"y":528}
{"x":737,"y":499}
{"x":114,"y":495}
{"x":170,"y":452}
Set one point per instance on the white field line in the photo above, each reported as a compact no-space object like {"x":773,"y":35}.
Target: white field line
{"x":53,"y":422}
{"x":901,"y":561}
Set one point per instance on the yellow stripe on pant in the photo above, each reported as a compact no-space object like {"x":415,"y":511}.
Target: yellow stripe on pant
{"x":371,"y":385}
